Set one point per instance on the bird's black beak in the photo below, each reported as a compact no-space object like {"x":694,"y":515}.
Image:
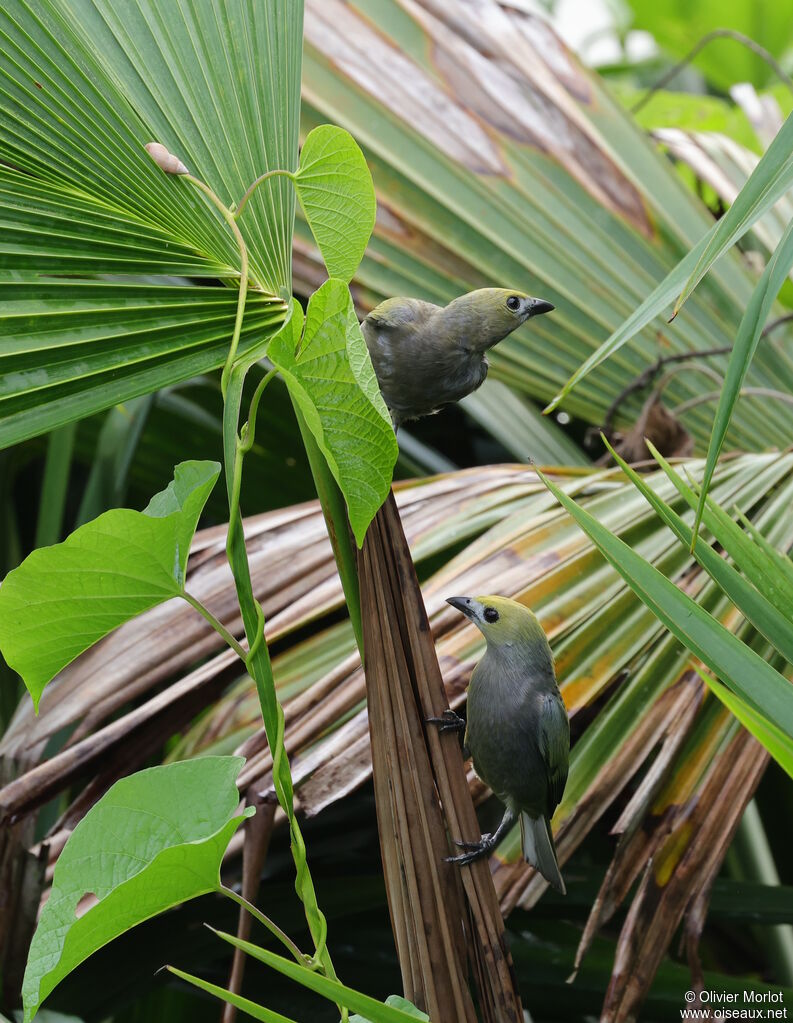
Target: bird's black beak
{"x":540,"y":306}
{"x":464,"y":604}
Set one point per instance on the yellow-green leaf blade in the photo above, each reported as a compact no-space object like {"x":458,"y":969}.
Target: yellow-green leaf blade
{"x":771,"y":178}
{"x":253,"y":1009}
{"x":778,"y":744}
{"x":764,"y":566}
{"x":752,"y":322}
{"x":752,"y":603}
{"x":373,"y":1010}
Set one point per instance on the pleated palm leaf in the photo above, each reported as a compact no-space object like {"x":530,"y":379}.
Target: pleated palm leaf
{"x":497,"y":158}
{"x":109,"y":269}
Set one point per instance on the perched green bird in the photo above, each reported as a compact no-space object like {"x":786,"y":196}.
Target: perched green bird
{"x":517,"y":733}
{"x":426,"y":356}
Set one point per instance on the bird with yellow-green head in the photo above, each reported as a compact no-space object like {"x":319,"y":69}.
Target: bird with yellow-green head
{"x":517,"y":731}
{"x":426,"y":356}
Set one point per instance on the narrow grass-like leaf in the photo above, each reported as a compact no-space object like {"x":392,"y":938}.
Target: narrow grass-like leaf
{"x":747,"y":674}
{"x":783,"y":564}
{"x":253,"y":1009}
{"x":335,"y":189}
{"x":778,"y":744}
{"x":115,"y":449}
{"x":763,"y":297}
{"x":62,"y":599}
{"x":772,"y":177}
{"x":655,"y":303}
{"x":762,"y":613}
{"x":330,"y":378}
{"x":372,"y":1010}
{"x":155,"y":839}
{"x":55,"y":485}
{"x":760,"y":563}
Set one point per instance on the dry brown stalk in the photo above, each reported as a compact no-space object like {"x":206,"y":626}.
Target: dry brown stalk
{"x":444,"y":920}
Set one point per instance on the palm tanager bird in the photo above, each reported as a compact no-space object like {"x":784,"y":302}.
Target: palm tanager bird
{"x":518,"y":732}
{"x":426,"y":356}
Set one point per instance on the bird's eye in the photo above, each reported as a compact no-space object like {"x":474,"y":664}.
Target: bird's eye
{"x":513,"y":303}
{"x":491,"y":615}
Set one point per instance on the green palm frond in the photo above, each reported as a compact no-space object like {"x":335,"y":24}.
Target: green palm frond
{"x":84,"y":87}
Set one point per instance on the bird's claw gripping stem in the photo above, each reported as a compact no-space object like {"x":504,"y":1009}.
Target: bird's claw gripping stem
{"x":474,"y":850}
{"x":485,"y":845}
{"x":449,"y":721}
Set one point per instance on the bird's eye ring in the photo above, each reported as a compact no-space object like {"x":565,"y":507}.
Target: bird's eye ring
{"x":491,"y":615}
{"x":513,"y":303}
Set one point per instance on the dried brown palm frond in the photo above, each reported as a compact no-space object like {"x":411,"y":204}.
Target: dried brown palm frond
{"x":646,"y":738}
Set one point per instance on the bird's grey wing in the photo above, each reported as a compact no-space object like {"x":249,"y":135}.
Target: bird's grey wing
{"x":554,"y":745}
{"x":395,"y":333}
{"x":396,"y":313}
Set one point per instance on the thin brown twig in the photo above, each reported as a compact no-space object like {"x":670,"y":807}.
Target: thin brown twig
{"x":647,"y":377}
{"x":717,"y":33}
{"x":756,"y":392}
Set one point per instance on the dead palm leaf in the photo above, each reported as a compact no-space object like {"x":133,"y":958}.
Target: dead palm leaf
{"x":646,"y":739}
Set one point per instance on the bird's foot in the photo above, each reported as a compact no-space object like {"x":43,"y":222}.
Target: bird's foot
{"x":449,"y":721}
{"x":474,"y":850}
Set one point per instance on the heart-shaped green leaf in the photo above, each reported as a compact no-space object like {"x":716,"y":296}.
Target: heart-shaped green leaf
{"x":155,"y":839}
{"x":331,"y":379}
{"x":62,"y":599}
{"x":335,"y":189}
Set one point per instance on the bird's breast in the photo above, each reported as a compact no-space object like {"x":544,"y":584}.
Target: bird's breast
{"x":503,"y":737}
{"x":422,"y":374}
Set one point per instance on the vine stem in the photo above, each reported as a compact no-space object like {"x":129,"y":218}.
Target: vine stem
{"x":717,"y":33}
{"x":257,"y":660}
{"x":271,"y":926}
{"x":648,"y":375}
{"x":217,"y":625}
{"x":745,"y":392}
{"x":237,"y":213}
{"x":248,"y":431}
{"x":228,"y":216}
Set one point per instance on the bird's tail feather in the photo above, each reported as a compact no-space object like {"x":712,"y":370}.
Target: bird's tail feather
{"x":539,"y":851}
